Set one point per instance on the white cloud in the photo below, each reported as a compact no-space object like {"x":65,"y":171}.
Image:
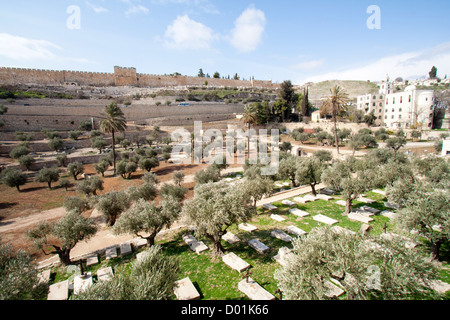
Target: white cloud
{"x":248,"y":30}
{"x":97,"y":9}
{"x":19,"y":48}
{"x":135,"y":7}
{"x":26,"y":50}
{"x":410,"y":65}
{"x":309,"y":65}
{"x":185,"y":33}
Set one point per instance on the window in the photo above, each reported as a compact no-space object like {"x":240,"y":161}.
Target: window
{"x":374,"y":104}
{"x":385,"y":117}
{"x":387,"y":101}
{"x":393,"y":110}
{"x":381,"y":104}
{"x":409,"y":98}
{"x":392,"y":117}
{"x":400,"y":116}
{"x":374,"y":97}
{"x":400,"y":110}
{"x":401,"y":99}
{"x":393,"y":100}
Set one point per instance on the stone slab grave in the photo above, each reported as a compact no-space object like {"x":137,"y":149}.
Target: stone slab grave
{"x":230,"y":238}
{"x":301,"y":200}
{"x":288,"y":203}
{"x":184,"y":289}
{"x":391,"y":205}
{"x":269,"y":206}
{"x":81,"y":283}
{"x":277,"y":217}
{"x":91,"y":260}
{"x":141,"y":255}
{"x":254,"y":291}
{"x":379,"y":192}
{"x":341,"y":203}
{"x":105,"y":274}
{"x":370,"y":209}
{"x":325,"y":219}
{"x":324,"y":197}
{"x":279,"y":234}
{"x":139,"y":242}
{"x":440,"y":286}
{"x":298,"y":212}
{"x":125,"y":248}
{"x":194,"y":244}
{"x":258,"y":245}
{"x":111,"y":253}
{"x":44,"y":276}
{"x":365,"y":200}
{"x":234,"y":262}
{"x":388,"y":214}
{"x":327,"y":191}
{"x":247,"y":227}
{"x":363,"y":212}
{"x":59,"y":291}
{"x":311,"y":197}
{"x":296,"y":231}
{"x":282,"y":255}
{"x":359,"y":217}
{"x":332,"y":290}
{"x":339,"y":229}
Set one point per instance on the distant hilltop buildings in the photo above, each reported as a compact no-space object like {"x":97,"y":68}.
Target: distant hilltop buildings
{"x":411,"y":108}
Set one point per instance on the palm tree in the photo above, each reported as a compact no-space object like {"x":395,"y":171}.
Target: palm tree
{"x":338,"y":100}
{"x":113,"y":122}
{"x":250,"y":117}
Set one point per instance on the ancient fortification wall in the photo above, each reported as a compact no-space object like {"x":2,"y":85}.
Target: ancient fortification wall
{"x":120,"y":77}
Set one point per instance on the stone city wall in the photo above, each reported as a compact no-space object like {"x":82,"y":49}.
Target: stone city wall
{"x":120,"y":77}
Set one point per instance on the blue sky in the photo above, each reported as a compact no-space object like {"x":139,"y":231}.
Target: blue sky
{"x":279,"y":40}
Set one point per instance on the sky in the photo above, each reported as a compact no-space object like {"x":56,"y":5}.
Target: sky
{"x":301,"y":41}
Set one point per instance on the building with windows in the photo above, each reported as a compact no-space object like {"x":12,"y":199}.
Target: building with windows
{"x":410,"y":108}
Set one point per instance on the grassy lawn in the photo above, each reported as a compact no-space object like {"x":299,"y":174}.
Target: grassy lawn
{"x":214,"y":280}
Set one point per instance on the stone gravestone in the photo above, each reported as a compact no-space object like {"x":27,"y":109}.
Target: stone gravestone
{"x":59,"y":291}
{"x":111,"y":253}
{"x":333,"y":291}
{"x":269,"y":206}
{"x":141,"y":255}
{"x":341,"y":203}
{"x":298,"y":212}
{"x":296,"y":231}
{"x":258,"y":245}
{"x":139,"y":242}
{"x":277,"y":217}
{"x":389,"y":214}
{"x":365,"y":230}
{"x":325,"y":219}
{"x":288,"y":203}
{"x":184,"y":289}
{"x":125,"y":248}
{"x":391,"y":205}
{"x":301,"y":200}
{"x":91,"y":260}
{"x":370,"y":209}
{"x":194,"y":244}
{"x":365,"y":200}
{"x":81,"y":283}
{"x":236,"y":263}
{"x":324,"y":197}
{"x":247,"y":227}
{"x":230,"y":238}
{"x":254,"y":291}
{"x":311,"y":197}
{"x":327,"y":191}
{"x":359,"y":217}
{"x":105,"y":274}
{"x":277,"y":233}
{"x":44,"y":276}
{"x":379,"y":192}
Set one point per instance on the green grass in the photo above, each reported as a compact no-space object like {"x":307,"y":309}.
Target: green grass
{"x":214,"y":280}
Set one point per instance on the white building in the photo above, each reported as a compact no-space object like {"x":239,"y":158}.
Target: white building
{"x":400,"y":110}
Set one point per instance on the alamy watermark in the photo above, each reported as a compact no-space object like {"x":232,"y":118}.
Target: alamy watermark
{"x":73,"y":22}
{"x":235,"y":147}
{"x":374,"y":21}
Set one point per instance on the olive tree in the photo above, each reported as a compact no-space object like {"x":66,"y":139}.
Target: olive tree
{"x":112,"y":204}
{"x":47,"y":175}
{"x":215,"y":207}
{"x":13,"y":178}
{"x":63,"y":235}
{"x":352,"y":177}
{"x":146,"y":220}
{"x":19,"y":276}
{"x":151,"y":278}
{"x":75,"y":168}
{"x":310,"y":172}
{"x":367,"y":268}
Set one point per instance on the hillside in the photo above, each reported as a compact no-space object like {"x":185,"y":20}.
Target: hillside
{"x":318,"y":91}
